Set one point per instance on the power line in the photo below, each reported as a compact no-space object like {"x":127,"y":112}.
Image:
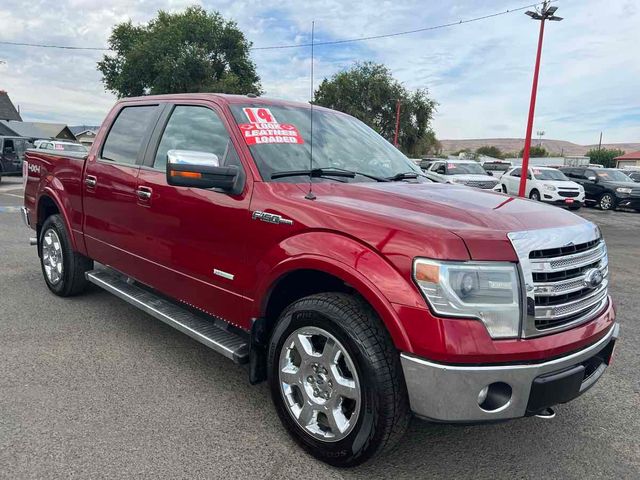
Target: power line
{"x":302,"y":45}
{"x":43,"y":45}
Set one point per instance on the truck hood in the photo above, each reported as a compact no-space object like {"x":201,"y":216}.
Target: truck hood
{"x":482,"y":219}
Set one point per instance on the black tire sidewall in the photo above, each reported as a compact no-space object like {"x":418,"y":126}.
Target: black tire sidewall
{"x":342,"y":452}
{"x":534,"y":195}
{"x":55,"y":223}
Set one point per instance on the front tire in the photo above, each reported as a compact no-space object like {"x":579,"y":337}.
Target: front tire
{"x":336,"y":379}
{"x":534,"y":195}
{"x":607,"y":202}
{"x":62,"y":268}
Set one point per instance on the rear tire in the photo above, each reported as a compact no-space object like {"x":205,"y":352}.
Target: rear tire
{"x":504,"y":190}
{"x":367,"y":388}
{"x":62,"y":268}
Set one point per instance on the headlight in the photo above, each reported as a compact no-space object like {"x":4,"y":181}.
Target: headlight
{"x":623,"y":190}
{"x":458,"y":181}
{"x":549,"y":187}
{"x":488,"y":291}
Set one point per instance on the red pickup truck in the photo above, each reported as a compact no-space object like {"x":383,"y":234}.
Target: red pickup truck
{"x":357,"y":288}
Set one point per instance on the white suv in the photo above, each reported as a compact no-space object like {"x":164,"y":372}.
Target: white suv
{"x":462,"y":172}
{"x":546,"y":185}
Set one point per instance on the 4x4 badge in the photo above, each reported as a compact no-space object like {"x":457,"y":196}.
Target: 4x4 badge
{"x":270,"y":218}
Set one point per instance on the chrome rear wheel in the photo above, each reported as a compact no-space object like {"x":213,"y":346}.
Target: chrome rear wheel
{"x":52,"y":256}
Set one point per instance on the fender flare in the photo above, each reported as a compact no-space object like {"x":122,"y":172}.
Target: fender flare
{"x":372,"y":276}
{"x":49,"y":192}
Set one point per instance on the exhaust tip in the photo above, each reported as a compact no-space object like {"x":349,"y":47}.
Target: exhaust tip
{"x":547,"y":414}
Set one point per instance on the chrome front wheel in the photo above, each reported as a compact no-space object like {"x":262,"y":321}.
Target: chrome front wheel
{"x":52,"y":256}
{"x":319,"y":384}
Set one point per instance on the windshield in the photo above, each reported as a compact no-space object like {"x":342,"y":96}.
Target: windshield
{"x":279,"y":139}
{"x":612,"y":175}
{"x":549,"y":175}
{"x":465,"y":169}
{"x":496,"y":167}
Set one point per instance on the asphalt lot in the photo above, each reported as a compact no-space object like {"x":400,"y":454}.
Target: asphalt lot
{"x":92,"y":388}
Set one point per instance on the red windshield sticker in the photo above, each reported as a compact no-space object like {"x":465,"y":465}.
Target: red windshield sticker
{"x":58,"y":147}
{"x":259,"y":115}
{"x":451,"y":165}
{"x":261,"y":133}
{"x":536,"y":172}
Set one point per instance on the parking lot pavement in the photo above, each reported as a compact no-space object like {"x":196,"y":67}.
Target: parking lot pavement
{"x":92,"y":388}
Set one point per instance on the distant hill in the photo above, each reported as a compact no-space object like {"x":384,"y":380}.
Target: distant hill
{"x":508,"y":145}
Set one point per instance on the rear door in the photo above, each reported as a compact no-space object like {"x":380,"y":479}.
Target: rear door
{"x":193,"y":240}
{"x":110,"y":181}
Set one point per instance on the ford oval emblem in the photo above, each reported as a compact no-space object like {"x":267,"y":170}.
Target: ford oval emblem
{"x":593,"y":278}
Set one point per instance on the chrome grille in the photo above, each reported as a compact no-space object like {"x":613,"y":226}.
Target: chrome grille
{"x":554,"y":265}
{"x":485,"y":184}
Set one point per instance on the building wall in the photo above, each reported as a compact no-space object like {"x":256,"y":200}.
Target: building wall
{"x":628,"y":163}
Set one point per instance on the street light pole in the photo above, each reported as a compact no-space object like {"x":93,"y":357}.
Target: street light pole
{"x":547,"y":13}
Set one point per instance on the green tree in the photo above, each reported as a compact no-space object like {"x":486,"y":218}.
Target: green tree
{"x":369,"y":92}
{"x":189,"y":51}
{"x":489,"y":151}
{"x":604,"y":156}
{"x":536,"y":151}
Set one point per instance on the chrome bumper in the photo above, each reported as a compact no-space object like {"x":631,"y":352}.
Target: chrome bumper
{"x":24,"y":213}
{"x":449,"y":393}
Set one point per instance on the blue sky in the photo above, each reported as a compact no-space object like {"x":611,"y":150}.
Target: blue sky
{"x":479,"y":73}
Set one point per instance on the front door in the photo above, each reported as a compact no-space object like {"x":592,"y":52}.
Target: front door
{"x":193,"y":240}
{"x":110,"y":181}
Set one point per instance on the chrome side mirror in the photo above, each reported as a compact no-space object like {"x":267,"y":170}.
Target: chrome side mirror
{"x":190,"y":168}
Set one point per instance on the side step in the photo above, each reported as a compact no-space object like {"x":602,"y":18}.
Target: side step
{"x":204,"y":331}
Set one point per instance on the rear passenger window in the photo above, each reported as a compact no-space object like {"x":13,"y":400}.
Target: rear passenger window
{"x":198,"y":129}
{"x":127,"y":134}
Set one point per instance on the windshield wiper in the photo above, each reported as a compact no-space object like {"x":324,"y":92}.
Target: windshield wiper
{"x":402,"y":176}
{"x":325,"y":172}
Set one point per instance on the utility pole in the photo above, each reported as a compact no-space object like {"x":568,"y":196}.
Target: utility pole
{"x":546,"y":13}
{"x":600,"y":142}
{"x":395,"y":138}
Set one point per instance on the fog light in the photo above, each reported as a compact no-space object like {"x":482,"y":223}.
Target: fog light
{"x":495,"y":397}
{"x":482,"y":396}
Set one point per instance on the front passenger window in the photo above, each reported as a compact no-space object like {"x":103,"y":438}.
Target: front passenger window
{"x":197,"y":129}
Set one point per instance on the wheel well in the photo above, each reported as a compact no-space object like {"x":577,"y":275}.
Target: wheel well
{"x":46,"y":208}
{"x":296,"y":285}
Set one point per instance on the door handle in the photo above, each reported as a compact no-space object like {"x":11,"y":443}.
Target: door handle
{"x":90,"y":181}
{"x":144,"y":193}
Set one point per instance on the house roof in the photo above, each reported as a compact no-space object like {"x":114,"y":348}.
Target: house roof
{"x":78,"y":129}
{"x":629,"y":156}
{"x":36,"y":129}
{"x":7,"y":109}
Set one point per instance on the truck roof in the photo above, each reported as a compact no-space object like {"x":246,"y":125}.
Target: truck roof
{"x":225,"y":98}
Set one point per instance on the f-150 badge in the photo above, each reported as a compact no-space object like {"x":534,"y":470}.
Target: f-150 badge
{"x":270,"y":218}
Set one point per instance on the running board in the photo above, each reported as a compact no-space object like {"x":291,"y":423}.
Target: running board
{"x":204,"y":331}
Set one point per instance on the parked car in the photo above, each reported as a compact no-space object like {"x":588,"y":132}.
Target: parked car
{"x":462,"y":172}
{"x":496,"y":168}
{"x":426,"y":162}
{"x":356,"y":288}
{"x":545,"y":184}
{"x":59,"y":145}
{"x":606,"y":187}
{"x":11,"y":155}
{"x":632,"y":174}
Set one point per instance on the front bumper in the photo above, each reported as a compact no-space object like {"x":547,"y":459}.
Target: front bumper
{"x":449,"y":393}
{"x":628,"y":202}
